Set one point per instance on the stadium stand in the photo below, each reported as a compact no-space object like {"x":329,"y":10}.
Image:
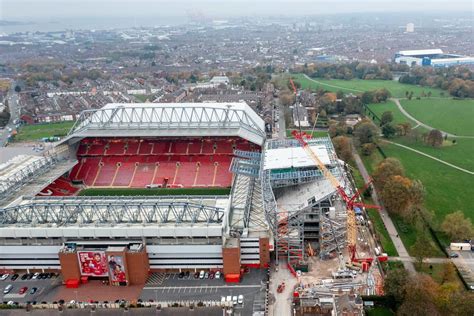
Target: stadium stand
{"x":138,"y":163}
{"x":60,"y":187}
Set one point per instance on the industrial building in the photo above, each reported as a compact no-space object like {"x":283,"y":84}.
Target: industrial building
{"x":431,"y":57}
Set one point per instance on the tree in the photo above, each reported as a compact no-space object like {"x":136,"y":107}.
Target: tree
{"x":343,"y":148}
{"x":366,"y":132}
{"x":457,"y":227}
{"x":434,"y":138}
{"x":286,"y":98}
{"x":385,"y":169}
{"x":396,"y":194}
{"x":368,"y":149}
{"x":448,"y":273}
{"x":388,"y":130}
{"x":420,"y":298}
{"x":337,"y":128}
{"x":422,"y":247}
{"x":387,"y":117}
{"x":395,"y":284}
{"x":17,"y":89}
{"x":367,"y":97}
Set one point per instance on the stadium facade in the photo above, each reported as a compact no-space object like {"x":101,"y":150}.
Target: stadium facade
{"x":431,"y":57}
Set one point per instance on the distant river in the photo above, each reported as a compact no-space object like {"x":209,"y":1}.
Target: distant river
{"x":106,"y":23}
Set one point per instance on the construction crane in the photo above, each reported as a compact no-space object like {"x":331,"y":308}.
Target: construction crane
{"x":351,"y":202}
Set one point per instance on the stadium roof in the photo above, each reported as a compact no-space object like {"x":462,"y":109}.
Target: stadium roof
{"x":294,"y":157}
{"x":421,"y":52}
{"x":171,"y":119}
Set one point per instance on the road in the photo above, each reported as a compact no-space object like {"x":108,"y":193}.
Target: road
{"x":392,"y":231}
{"x":15,"y":114}
{"x":429,"y":156}
{"x":400,"y":107}
{"x":281,"y":120}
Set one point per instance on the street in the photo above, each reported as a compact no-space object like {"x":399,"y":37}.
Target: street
{"x":15,"y":114}
{"x":392,"y":231}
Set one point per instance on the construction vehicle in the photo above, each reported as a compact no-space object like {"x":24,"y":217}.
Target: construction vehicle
{"x":351,"y":202}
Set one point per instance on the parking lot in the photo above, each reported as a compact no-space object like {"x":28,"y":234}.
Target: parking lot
{"x":43,"y":286}
{"x":169,"y":287}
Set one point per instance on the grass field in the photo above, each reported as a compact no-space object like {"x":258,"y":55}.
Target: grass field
{"x":447,"y":189}
{"x":452,"y":116}
{"x":460,"y":154}
{"x":357,"y":86}
{"x":38,"y":131}
{"x":435,"y":270}
{"x":398,"y":117}
{"x":155,"y":191}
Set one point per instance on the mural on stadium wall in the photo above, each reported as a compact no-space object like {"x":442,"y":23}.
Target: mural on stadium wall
{"x":93,"y":263}
{"x":118,"y":277}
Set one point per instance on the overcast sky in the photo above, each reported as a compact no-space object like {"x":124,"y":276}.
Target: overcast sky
{"x":50,"y":9}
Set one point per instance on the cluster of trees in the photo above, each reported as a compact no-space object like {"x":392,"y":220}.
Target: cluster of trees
{"x":458,"y":81}
{"x":348,"y":71}
{"x":375,"y":96}
{"x":419,"y":294}
{"x":366,"y":135}
{"x":401,"y":196}
{"x":457,"y":227}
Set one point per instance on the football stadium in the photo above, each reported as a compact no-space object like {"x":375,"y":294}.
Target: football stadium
{"x":161,"y":187}
{"x":46,"y":224}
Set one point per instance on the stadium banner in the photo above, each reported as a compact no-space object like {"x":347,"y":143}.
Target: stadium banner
{"x":118,"y":275}
{"x":93,"y":263}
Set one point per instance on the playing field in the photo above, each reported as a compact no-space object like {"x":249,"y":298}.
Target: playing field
{"x":155,"y":191}
{"x":380,"y":108}
{"x":355,"y":86}
{"x":38,"y":131}
{"x":447,"y":189}
{"x":452,"y":116}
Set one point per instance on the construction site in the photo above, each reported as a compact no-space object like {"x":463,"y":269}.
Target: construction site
{"x":325,"y":256}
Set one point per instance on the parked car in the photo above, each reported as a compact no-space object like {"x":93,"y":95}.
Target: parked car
{"x":240,"y":299}
{"x":234,"y":300}
{"x":23,"y":290}
{"x":4,"y":277}
{"x":453,"y":255}
{"x":186,"y":274}
{"x":33,"y":290}
{"x":217,"y":275}
{"x":14,"y":277}
{"x":24,"y":276}
{"x":201,"y":274}
{"x":30,"y":276}
{"x":211,"y":275}
{"x":7,"y":289}
{"x":206,"y":275}
{"x":181,"y":275}
{"x":196,"y":275}
{"x":36,"y":275}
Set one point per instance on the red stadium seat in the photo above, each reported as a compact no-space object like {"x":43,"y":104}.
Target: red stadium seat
{"x":136,"y":162}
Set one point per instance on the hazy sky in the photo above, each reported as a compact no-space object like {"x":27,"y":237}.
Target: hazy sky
{"x":50,"y":9}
